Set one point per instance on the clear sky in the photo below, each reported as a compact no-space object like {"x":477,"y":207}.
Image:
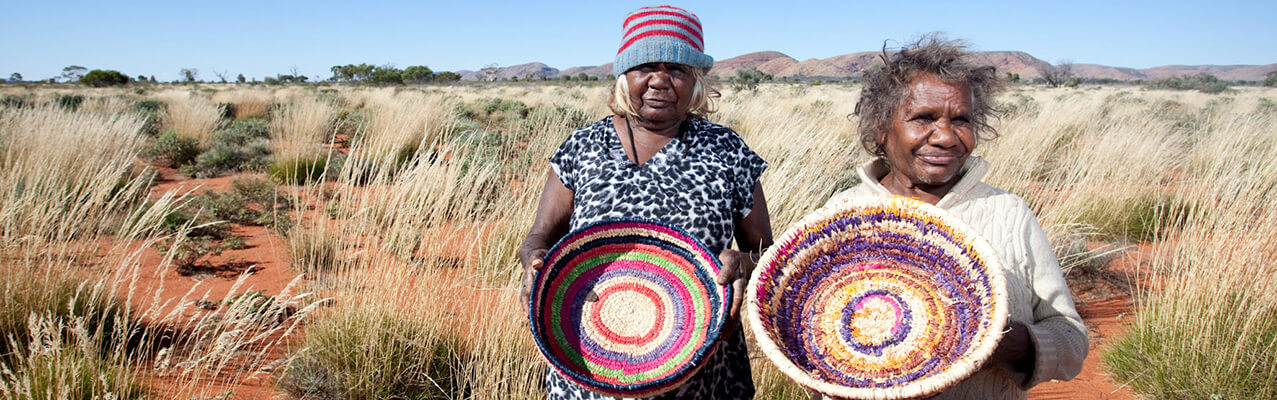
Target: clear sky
{"x":268,"y":37}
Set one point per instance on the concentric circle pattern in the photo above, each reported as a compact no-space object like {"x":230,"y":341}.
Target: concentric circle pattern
{"x":627,"y":307}
{"x":883,"y":298}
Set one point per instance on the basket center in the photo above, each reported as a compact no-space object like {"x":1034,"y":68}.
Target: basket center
{"x":875,"y":319}
{"x":629,"y":313}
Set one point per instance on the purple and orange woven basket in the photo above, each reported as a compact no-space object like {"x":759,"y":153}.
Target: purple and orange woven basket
{"x":882,"y":298}
{"x":628,"y":308}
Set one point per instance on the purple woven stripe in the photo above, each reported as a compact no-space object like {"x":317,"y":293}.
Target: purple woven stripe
{"x":898,"y":333}
{"x":589,"y":346}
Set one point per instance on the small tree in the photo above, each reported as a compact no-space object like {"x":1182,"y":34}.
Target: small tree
{"x":16,"y":77}
{"x":489,"y":72}
{"x":748,"y":78}
{"x":73,"y":73}
{"x":582,"y":77}
{"x":1060,"y":74}
{"x":141,"y":78}
{"x":189,"y":74}
{"x":100,"y":78}
{"x":447,"y":76}
{"x":152,"y":79}
{"x":241,"y":78}
{"x":387,"y":75}
{"x":417,"y":74}
{"x":1270,"y":81}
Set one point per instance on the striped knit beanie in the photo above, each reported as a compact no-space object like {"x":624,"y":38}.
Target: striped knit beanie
{"x":661,"y":34}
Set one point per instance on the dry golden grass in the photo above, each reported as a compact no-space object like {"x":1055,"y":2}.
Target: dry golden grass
{"x":416,"y":249}
{"x":193,"y":116}
{"x":300,"y":129}
{"x":248,"y":103}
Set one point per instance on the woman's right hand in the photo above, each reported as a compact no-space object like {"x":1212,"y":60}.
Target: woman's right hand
{"x":532,"y":262}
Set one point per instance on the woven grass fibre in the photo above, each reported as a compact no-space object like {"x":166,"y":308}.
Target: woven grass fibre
{"x":885,"y":298}
{"x":628,"y":308}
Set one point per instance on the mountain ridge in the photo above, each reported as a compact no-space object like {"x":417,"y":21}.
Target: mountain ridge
{"x":852,"y":65}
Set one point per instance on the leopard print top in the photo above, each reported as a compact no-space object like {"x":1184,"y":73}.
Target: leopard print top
{"x":701,"y":181}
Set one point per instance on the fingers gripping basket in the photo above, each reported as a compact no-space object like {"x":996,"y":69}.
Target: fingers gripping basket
{"x":886,"y":298}
{"x":628,"y":308}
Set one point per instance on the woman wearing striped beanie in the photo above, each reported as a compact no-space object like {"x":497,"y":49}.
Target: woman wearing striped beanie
{"x":658,"y":158}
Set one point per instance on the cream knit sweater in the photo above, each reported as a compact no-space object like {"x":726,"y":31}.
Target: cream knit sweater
{"x":1039,"y":297}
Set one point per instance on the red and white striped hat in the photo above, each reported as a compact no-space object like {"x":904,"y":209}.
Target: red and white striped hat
{"x":661,"y":34}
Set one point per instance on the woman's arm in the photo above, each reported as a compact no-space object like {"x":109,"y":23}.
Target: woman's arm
{"x":554,"y":213}
{"x":753,"y":235}
{"x":1054,"y":345}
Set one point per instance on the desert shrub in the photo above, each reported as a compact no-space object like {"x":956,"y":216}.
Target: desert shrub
{"x":748,"y":79}
{"x":299,"y":170}
{"x":216,"y":161}
{"x":242,"y":146}
{"x":373,"y":354}
{"x":104,"y":78}
{"x":69,"y":102}
{"x":1271,"y":79}
{"x":153,"y":112}
{"x":174,"y":149}
{"x":1205,"y":83}
{"x":492,"y":111}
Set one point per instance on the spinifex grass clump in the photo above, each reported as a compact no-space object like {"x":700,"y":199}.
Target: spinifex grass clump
{"x":374,"y":354}
{"x":60,"y":171}
{"x":192,"y":116}
{"x":1207,"y":327}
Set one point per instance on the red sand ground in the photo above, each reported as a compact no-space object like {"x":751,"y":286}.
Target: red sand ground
{"x":1103,"y":301}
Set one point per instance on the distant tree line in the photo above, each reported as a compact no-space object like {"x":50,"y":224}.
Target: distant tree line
{"x":389,"y":74}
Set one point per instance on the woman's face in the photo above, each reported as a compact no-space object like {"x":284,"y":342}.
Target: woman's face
{"x":660,"y":91}
{"x":931,"y":132}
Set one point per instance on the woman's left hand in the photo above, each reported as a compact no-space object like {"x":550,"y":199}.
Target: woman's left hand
{"x":737,"y":267}
{"x":1015,"y":349}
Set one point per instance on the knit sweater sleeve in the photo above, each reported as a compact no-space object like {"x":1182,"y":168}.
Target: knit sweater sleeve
{"x":1059,"y":337}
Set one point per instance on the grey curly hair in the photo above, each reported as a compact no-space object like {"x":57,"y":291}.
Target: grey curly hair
{"x":887,"y":86}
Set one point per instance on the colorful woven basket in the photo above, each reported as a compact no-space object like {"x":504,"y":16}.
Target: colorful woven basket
{"x":628,"y":308}
{"x":883,"y":298}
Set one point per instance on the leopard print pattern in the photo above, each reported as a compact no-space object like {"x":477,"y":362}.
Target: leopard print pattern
{"x":701,"y":181}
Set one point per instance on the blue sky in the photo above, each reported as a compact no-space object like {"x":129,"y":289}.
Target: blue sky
{"x":264,"y":38}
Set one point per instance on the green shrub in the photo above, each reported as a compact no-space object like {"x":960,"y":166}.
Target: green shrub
{"x":241,"y":132}
{"x":174,"y":149}
{"x":153,"y":112}
{"x":218,"y":160}
{"x":373,"y":354}
{"x":298,"y":171}
{"x":101,"y":78}
{"x":748,"y":79}
{"x":1203,"y":82}
{"x":1271,"y":79}
{"x":70,"y":102}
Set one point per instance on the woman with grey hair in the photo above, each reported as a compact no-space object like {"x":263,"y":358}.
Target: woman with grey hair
{"x":922,"y":114}
{"x":657,"y":158}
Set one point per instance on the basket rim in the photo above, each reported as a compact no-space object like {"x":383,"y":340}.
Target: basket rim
{"x":959,"y":370}
{"x":654,"y":387}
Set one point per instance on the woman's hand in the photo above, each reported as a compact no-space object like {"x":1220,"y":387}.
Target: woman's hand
{"x":1015,"y":349}
{"x":737,"y":267}
{"x":532,"y":260}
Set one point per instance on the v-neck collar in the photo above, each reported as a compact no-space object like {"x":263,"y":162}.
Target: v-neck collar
{"x":617,"y":148}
